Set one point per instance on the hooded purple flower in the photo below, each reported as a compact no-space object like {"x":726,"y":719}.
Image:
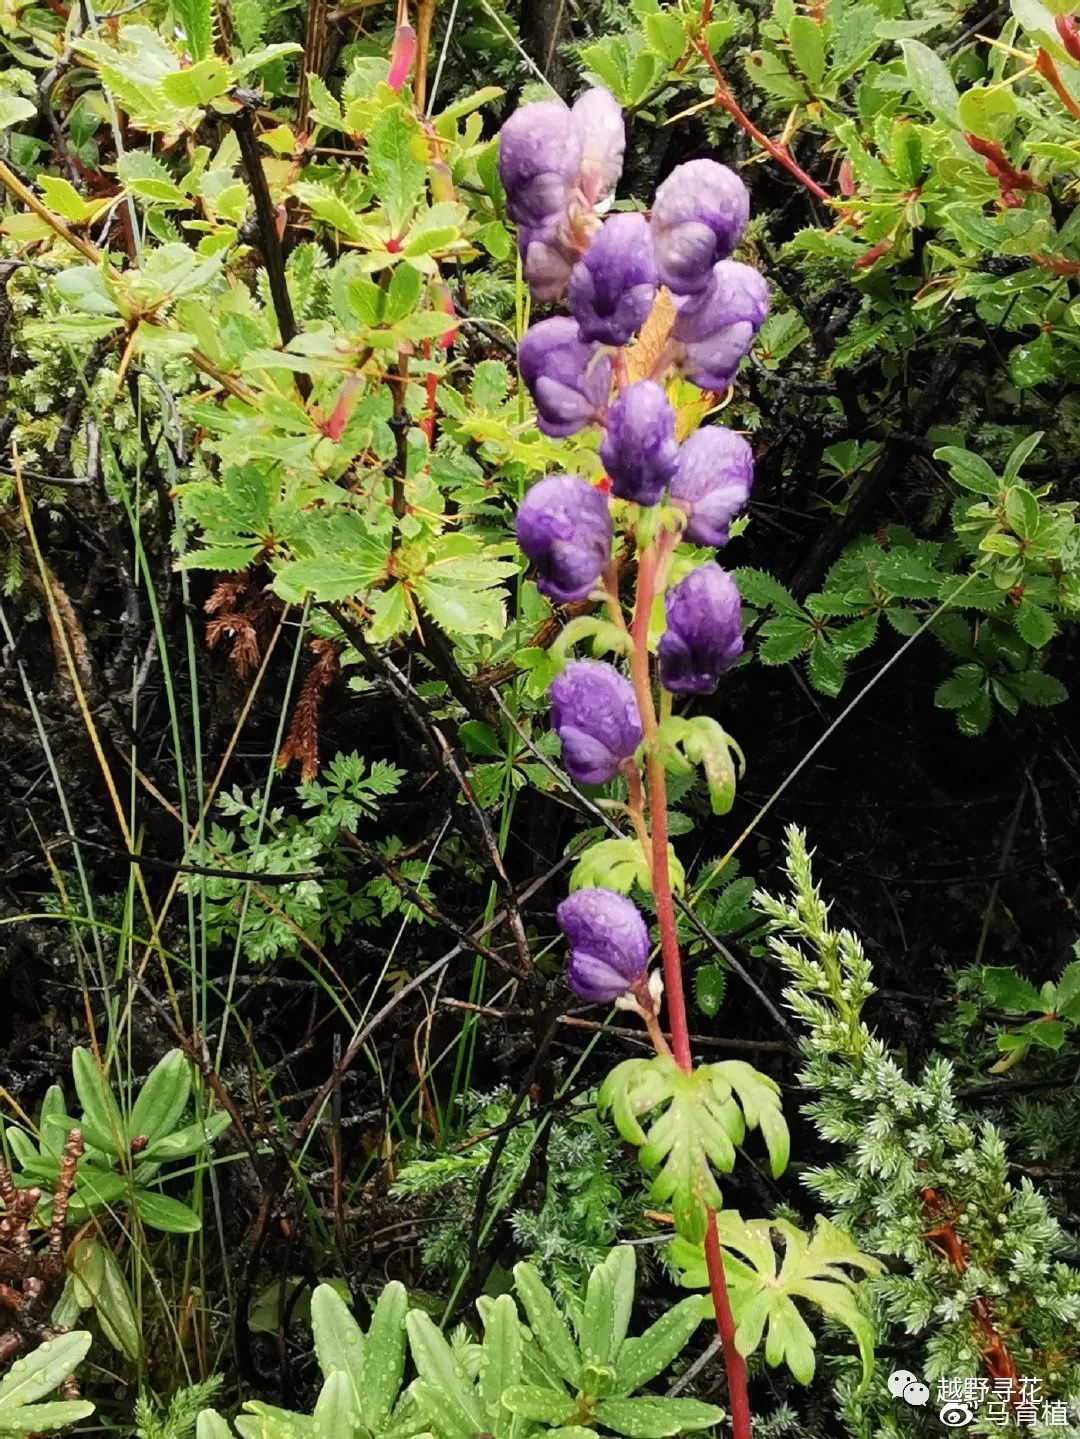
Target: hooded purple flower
{"x":712,"y":482}
{"x":704,"y":631}
{"x":569,"y":379}
{"x":564,"y":527}
{"x":539,"y":158}
{"x":596,"y":718}
{"x":609,"y":944}
{"x":639,"y":450}
{"x":547,"y":261}
{"x":698,"y":217}
{"x":599,"y":125}
{"x":717,"y":328}
{"x":613,"y":286}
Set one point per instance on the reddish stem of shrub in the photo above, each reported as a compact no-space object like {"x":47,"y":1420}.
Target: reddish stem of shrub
{"x":726,"y":100}
{"x":650,"y":563}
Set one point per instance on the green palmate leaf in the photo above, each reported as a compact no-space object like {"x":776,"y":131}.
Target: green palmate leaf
{"x":657,"y":1418}
{"x":704,"y":742}
{"x":616,"y":864}
{"x":550,"y":1331}
{"x":162,"y":1099}
{"x":762,"y":1298}
{"x":697,"y":1130}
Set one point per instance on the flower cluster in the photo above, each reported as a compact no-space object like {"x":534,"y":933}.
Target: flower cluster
{"x":559,"y":167}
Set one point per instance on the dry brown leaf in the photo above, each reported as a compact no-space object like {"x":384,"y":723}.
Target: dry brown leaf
{"x":642,"y":355}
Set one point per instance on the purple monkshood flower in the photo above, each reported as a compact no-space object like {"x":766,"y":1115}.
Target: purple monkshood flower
{"x":564,"y":527}
{"x":712,"y":482}
{"x":717,"y":327}
{"x":704,"y":631}
{"x":639,"y":450}
{"x":547,"y":261}
{"x":613,"y":285}
{"x":698,"y":217}
{"x":599,"y":125}
{"x":609,"y":944}
{"x":539,"y":159}
{"x":569,"y":379}
{"x":595,"y":715}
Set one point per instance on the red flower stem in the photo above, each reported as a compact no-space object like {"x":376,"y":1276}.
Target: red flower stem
{"x":726,"y":100}
{"x":734,"y":1363}
{"x":651,"y":563}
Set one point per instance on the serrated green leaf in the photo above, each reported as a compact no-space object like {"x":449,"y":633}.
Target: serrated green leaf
{"x":826,"y":670}
{"x":397,"y":174}
{"x":1005,"y":989}
{"x":806,"y":37}
{"x":1035,"y":626}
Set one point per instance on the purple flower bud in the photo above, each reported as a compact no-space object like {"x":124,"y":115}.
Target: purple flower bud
{"x":596,"y":718}
{"x":599,"y":125}
{"x":564,"y":527}
{"x":613,"y":286}
{"x":609,"y":943}
{"x":569,"y":379}
{"x":704,"y":631}
{"x":717,"y":328}
{"x":539,"y":158}
{"x":698,"y":217}
{"x":546,"y":260}
{"x":712,"y":482}
{"x":639,"y":450}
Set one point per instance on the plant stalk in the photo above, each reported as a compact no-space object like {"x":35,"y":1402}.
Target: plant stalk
{"x":651,"y":562}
